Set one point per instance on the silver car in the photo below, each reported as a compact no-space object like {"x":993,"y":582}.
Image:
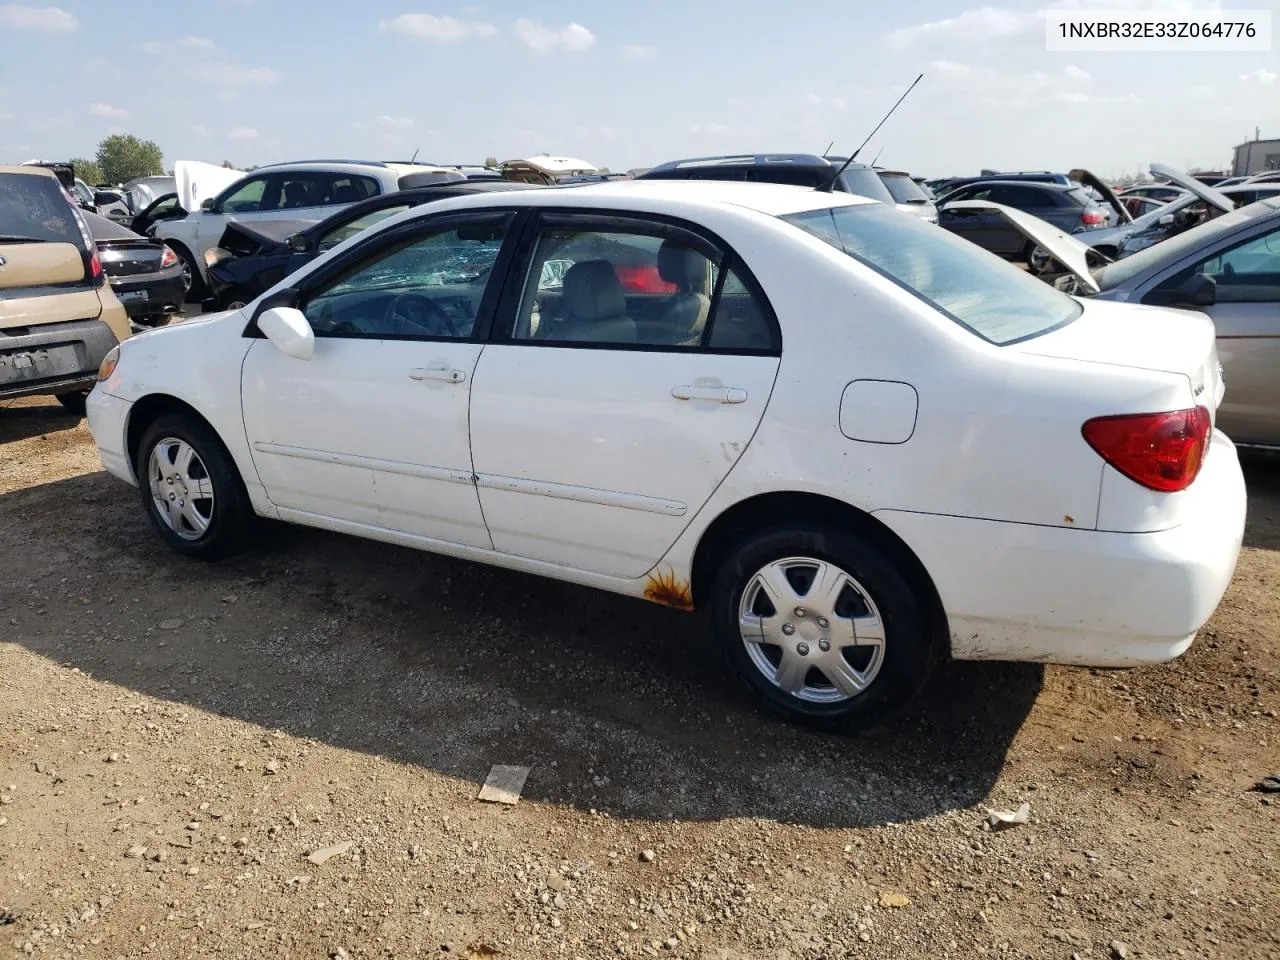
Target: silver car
{"x":1228,"y":268}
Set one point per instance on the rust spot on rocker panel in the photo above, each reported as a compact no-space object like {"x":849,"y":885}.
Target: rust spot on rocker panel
{"x":669,"y":590}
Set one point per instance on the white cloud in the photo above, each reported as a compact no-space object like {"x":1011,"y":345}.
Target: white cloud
{"x":1075,"y":73}
{"x":196,"y":43}
{"x":21,"y":17}
{"x":243,"y":133}
{"x":426,"y":26}
{"x":199,"y":129}
{"x":1262,"y":76}
{"x":571,"y":38}
{"x":1012,"y":89}
{"x":984,"y":23}
{"x":638,"y":51}
{"x":395,"y":123}
{"x":6,"y":116}
{"x":107,"y":110}
{"x":218,"y":74}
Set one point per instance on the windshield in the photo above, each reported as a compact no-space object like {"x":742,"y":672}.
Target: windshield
{"x":976,"y":289}
{"x":1114,"y":274}
{"x":904,"y":189}
{"x":34,"y":209}
{"x":865,"y":182}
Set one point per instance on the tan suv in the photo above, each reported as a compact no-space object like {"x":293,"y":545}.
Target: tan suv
{"x":58,"y":316}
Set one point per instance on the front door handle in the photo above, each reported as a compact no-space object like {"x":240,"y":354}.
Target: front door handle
{"x":714,"y":394}
{"x":437,"y":373}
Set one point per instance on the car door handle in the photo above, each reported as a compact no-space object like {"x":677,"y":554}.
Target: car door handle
{"x":715,"y":394}
{"x":437,"y":373}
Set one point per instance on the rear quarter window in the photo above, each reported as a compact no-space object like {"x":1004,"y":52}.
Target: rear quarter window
{"x":34,"y":208}
{"x":988,"y":297}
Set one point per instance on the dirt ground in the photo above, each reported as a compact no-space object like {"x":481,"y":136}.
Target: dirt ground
{"x":177,"y":737}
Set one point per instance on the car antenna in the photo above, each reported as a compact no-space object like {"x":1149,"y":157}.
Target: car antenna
{"x":877,"y":156}
{"x":830,"y":185}
{"x":827,"y":152}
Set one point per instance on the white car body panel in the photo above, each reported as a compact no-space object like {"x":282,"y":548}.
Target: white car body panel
{"x":1062,"y":246}
{"x":198,"y":182}
{"x":588,"y":470}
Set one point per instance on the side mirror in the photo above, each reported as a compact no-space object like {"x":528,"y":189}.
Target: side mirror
{"x":288,"y":330}
{"x":298,"y":243}
{"x":206,"y":203}
{"x":1166,"y":220}
{"x":1198,"y":290}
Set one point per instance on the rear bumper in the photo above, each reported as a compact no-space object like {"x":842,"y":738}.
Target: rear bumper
{"x":150,"y":294}
{"x":53,"y":358}
{"x":1060,"y":595}
{"x":108,"y":423}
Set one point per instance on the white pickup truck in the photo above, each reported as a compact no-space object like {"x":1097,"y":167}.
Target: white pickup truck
{"x":306,"y":191}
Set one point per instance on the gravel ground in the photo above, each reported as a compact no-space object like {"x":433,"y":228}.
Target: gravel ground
{"x":179,"y":737}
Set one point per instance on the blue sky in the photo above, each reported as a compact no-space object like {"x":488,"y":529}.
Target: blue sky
{"x":619,"y":84}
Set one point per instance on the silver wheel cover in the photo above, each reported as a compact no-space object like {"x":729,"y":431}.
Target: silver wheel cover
{"x":181,"y":490}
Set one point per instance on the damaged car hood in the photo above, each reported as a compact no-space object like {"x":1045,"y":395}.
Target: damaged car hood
{"x":1107,"y":194}
{"x":1207,"y":194}
{"x":1062,"y":246}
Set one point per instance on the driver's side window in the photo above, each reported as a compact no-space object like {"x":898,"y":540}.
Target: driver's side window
{"x":245,"y":198}
{"x":425,"y":286}
{"x":1248,"y":273}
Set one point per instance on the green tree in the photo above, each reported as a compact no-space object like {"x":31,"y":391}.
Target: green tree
{"x":122,"y":157}
{"x":88,"y":171}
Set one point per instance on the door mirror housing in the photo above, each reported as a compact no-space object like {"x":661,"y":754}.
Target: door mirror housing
{"x":298,"y":243}
{"x":1166,"y":220}
{"x":1198,"y":290}
{"x":206,"y":203}
{"x":288,"y":330}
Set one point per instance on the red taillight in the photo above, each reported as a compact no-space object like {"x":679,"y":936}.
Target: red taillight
{"x":1092,"y":218}
{"x":1162,"y":451}
{"x":168,"y":258}
{"x":95,"y":264}
{"x":643,"y":280}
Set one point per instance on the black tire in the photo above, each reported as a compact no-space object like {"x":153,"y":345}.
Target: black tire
{"x":231,"y":518}
{"x":74,"y":402}
{"x":197,"y":290}
{"x":909,"y":648}
{"x":235,"y":295}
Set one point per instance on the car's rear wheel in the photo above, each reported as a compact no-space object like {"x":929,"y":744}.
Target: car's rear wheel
{"x":74,"y":402}
{"x":192,"y":281}
{"x":822,"y":624}
{"x":191,"y":489}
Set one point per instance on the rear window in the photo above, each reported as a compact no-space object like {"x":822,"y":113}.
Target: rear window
{"x":904,"y":189}
{"x":35,"y":210}
{"x":991,"y":298}
{"x":865,"y":182}
{"x":1077,"y":197}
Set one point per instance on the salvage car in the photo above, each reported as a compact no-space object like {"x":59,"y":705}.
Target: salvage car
{"x":799,"y":169}
{"x":144,"y":273}
{"x":252,"y":258}
{"x":166,"y":207}
{"x":763,"y":440}
{"x":1228,"y":268}
{"x":908,"y":196}
{"x":1068,"y":207}
{"x":283,"y":191}
{"x":58,"y":317}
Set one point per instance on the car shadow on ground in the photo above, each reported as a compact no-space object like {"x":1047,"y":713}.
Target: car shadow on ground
{"x":27,"y":421}
{"x":617,"y":704}
{"x":1262,"y":478}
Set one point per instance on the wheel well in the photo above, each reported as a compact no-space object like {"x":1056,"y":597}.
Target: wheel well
{"x":780,"y":509}
{"x":147,"y":410}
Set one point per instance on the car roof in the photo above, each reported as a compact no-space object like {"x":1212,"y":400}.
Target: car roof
{"x":744,"y":160}
{"x":30,"y":169}
{"x":995,"y":181}
{"x":671,"y":196}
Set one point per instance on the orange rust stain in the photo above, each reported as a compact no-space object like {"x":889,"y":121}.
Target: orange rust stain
{"x":668,"y":590}
{"x":1068,"y":519}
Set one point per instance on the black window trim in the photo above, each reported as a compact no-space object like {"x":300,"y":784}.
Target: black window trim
{"x":625,"y":221}
{"x":358,"y":256}
{"x":1167,"y":275}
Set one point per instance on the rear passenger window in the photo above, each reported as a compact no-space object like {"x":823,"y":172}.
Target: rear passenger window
{"x":741,"y":321}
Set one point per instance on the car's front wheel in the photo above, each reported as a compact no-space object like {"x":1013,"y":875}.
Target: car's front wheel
{"x":822,"y":624}
{"x":191,"y":489}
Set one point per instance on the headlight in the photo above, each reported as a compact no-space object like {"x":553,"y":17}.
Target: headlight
{"x":213,"y":256}
{"x":108,"y":365}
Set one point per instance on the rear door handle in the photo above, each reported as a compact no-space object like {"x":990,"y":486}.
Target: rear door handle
{"x":714,"y":394}
{"x":437,"y":373}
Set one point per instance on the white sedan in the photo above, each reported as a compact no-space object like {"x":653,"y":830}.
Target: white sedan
{"x":861,"y":443}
